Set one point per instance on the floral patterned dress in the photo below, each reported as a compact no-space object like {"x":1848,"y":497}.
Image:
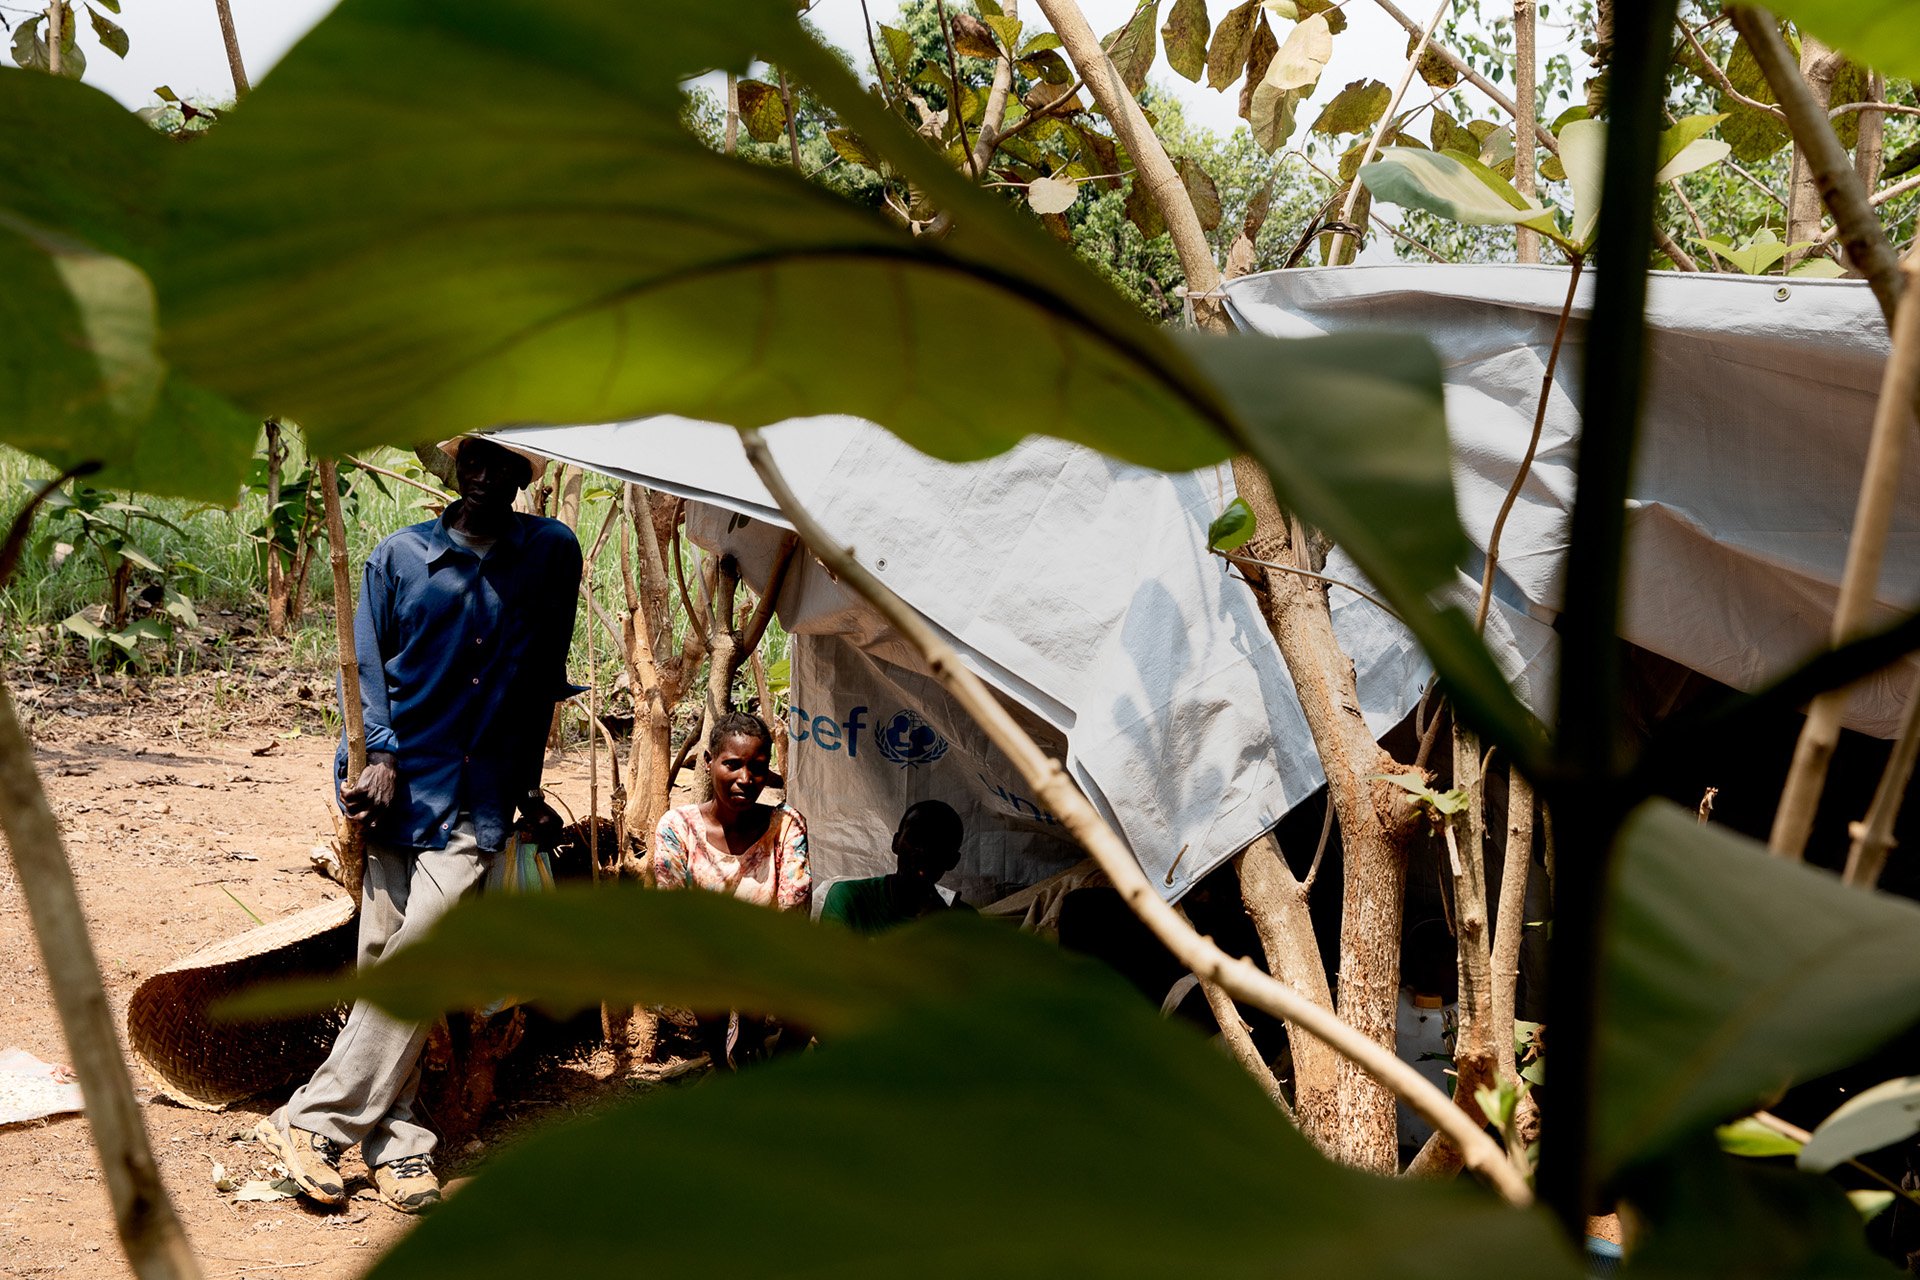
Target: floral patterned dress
{"x":773,"y":873}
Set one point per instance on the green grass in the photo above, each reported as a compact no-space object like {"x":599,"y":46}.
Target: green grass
{"x":212,"y":555}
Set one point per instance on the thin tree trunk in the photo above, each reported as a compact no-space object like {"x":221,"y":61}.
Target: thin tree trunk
{"x":731,"y":140}
{"x":1277,"y":903}
{"x":1525,"y":126}
{"x":56,"y":23}
{"x":1873,"y":835}
{"x":1819,"y":66}
{"x":232,"y":39}
{"x":297,"y":592}
{"x":1475,"y":1052}
{"x":1509,"y":922}
{"x":276,"y":572}
{"x":1870,"y":150}
{"x":149,"y":1230}
{"x":353,"y":839}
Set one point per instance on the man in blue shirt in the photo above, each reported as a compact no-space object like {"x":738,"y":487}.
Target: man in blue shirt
{"x":462,"y":633}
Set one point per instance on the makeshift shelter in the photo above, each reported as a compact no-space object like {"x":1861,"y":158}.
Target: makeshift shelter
{"x":1081,"y":588}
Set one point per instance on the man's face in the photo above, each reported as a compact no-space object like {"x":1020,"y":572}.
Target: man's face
{"x":922,"y":856}
{"x":487,"y":475}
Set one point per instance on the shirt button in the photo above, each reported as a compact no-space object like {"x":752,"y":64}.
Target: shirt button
{"x":476,"y":679}
{"x":479,"y":640}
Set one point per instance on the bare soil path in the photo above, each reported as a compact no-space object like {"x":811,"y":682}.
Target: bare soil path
{"x":186,"y":805}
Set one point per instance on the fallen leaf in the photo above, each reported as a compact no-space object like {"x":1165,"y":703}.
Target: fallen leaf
{"x":261,"y":1189}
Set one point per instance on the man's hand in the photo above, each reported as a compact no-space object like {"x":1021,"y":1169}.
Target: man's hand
{"x":371,"y":795}
{"x":539,"y":822}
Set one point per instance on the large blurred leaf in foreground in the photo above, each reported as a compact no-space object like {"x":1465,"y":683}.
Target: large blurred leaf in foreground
{"x":81,"y":377}
{"x":1704,"y":1213}
{"x":437,"y":217}
{"x":984,"y":1105}
{"x":1730,"y":974}
{"x":1881,"y":33}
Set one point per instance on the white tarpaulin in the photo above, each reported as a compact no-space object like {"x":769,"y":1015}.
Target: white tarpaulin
{"x":1077,"y":586}
{"x":1081,"y":588}
{"x":1752,"y":445}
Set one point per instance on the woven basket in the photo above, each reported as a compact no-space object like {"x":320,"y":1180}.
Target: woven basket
{"x":212,"y":1064}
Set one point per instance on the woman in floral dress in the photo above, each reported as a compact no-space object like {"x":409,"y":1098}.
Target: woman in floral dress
{"x":735,"y":845}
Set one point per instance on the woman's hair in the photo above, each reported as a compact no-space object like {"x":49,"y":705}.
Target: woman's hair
{"x":738,"y":724}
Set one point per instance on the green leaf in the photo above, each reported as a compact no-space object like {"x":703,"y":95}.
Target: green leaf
{"x":1040,"y":43}
{"x":83,"y":379}
{"x":1879,"y":1117}
{"x":1753,"y":135}
{"x":78,"y":625}
{"x":1748,"y":1137}
{"x":1870,"y":1204}
{"x":1201,"y":190}
{"x":1850,"y":85}
{"x":1356,"y":108}
{"x":1583,"y":154}
{"x":29,"y":50}
{"x":762,"y":111}
{"x":1434,"y":69}
{"x":899,"y":48}
{"x":1707,"y":1214}
{"x":181,"y":609}
{"x":1818,"y":269}
{"x":1453,"y":187}
{"x":1232,"y":41}
{"x":1006,"y":30}
{"x":1730,"y":974}
{"x":1132,"y":47}
{"x":1232,"y":527}
{"x":1185,"y":36}
{"x":130,"y":552}
{"x":847,"y":145}
{"x":1552,"y":170}
{"x":108,"y":32}
{"x":1756,"y":257}
{"x":946,"y":1046}
{"x":973,"y":37}
{"x":1302,"y":57}
{"x":1880,"y":33}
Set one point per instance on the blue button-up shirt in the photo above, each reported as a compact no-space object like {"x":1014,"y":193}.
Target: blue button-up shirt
{"x":461,"y":662}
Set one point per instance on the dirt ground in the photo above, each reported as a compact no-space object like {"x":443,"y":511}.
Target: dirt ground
{"x":187,"y":803}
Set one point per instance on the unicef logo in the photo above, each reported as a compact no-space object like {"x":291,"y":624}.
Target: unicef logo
{"x":909,"y":740}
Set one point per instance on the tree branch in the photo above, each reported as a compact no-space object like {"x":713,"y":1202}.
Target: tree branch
{"x":232,"y":40}
{"x":1056,"y":791}
{"x":1873,"y":835}
{"x":1337,"y":247}
{"x":149,"y":1230}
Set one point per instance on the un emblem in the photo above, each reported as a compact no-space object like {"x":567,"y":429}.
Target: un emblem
{"x":908,"y":740}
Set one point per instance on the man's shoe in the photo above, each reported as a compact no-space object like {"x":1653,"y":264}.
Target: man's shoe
{"x":312,"y":1160}
{"x":408,"y":1184}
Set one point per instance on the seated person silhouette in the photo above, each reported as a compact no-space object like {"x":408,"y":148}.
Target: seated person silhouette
{"x":927,"y":846}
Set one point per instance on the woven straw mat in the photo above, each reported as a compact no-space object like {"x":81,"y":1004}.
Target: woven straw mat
{"x":211,"y":1064}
